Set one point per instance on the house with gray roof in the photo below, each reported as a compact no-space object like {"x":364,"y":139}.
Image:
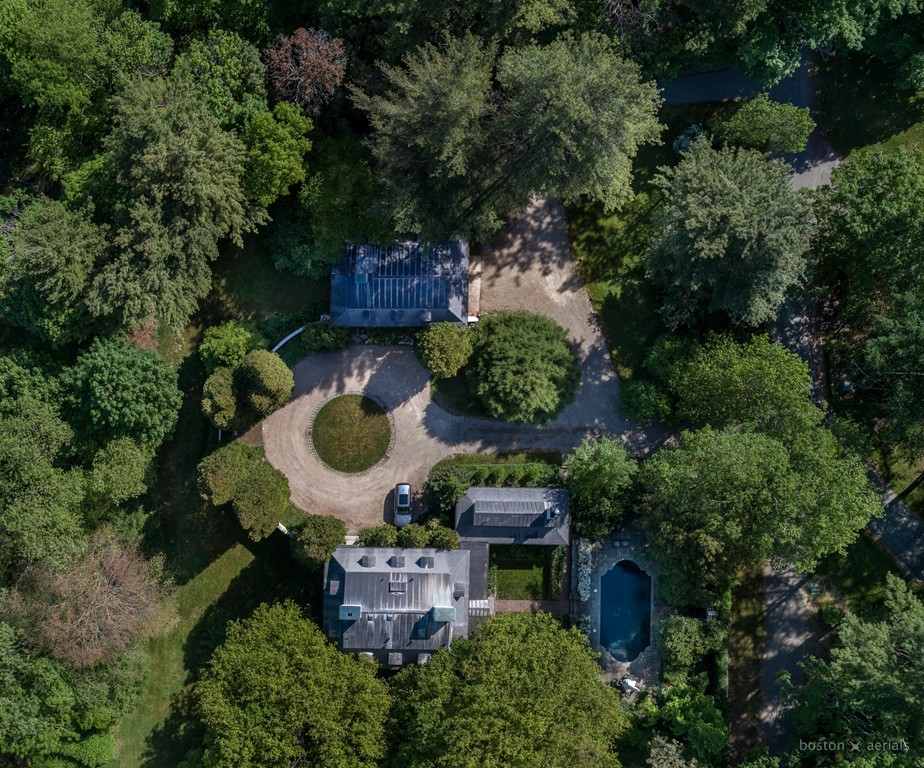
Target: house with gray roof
{"x":398,"y":606}
{"x":531,"y":516}
{"x":405,"y":284}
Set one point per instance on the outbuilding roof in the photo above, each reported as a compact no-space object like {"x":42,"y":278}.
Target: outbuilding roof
{"x":404,"y":284}
{"x":514,"y":515}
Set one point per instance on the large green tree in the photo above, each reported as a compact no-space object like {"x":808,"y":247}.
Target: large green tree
{"x":120,"y":390}
{"x":722,"y":499}
{"x":732,"y":236}
{"x":45,"y":282}
{"x":600,"y":475}
{"x":176,"y":184}
{"x":767,"y":125}
{"x":520,"y":691}
{"x":464,"y":139}
{"x":275,"y":693}
{"x":870,"y":688}
{"x":523,"y":368}
{"x":276,"y":146}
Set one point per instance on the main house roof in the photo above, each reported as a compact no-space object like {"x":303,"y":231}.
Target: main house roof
{"x":400,"y":285}
{"x":514,"y":515}
{"x":396,"y":603}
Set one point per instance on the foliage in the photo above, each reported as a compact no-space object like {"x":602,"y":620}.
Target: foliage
{"x":175,"y":181}
{"x":441,"y":536}
{"x":276,"y":147}
{"x":228,"y":76}
{"x":732,"y":238}
{"x":246,"y":17}
{"x":600,"y":476}
{"x":445,"y":348}
{"x":45,"y":283}
{"x":121,"y":471}
{"x":668,"y":753}
{"x":689,"y":715}
{"x":584,"y":569}
{"x":447,"y":484}
{"x":380,"y":536}
{"x":118,"y":390}
{"x":239,"y":476}
{"x":458,"y":152}
{"x":484,"y":702}
{"x":41,"y":501}
{"x":306,"y":67}
{"x":766,"y":125}
{"x":25,"y":374}
{"x":324,"y":335}
{"x":721,"y":499}
{"x":219,"y":401}
{"x":106,"y":600}
{"x":523,"y":369}
{"x":228,"y":343}
{"x":317,"y":537}
{"x":868,"y":688}
{"x":413,"y":536}
{"x":64,"y":58}
{"x":97,"y":750}
{"x":264,"y":381}
{"x":276,"y":693}
{"x":683,"y":645}
{"x":644,"y":400}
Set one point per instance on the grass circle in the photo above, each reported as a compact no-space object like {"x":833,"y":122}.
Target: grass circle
{"x":351,"y":433}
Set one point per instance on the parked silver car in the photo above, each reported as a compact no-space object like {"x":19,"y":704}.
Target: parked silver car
{"x":402,"y":504}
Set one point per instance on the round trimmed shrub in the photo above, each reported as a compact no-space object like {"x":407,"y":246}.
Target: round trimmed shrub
{"x":445,"y":348}
{"x":264,"y":381}
{"x":218,"y":399}
{"x":523,"y":369}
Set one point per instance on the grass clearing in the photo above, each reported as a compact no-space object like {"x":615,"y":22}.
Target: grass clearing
{"x":526,"y":573}
{"x":351,"y":433}
{"x":745,"y":650}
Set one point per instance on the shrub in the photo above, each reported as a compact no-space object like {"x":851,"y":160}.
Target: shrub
{"x":228,"y":343}
{"x":445,"y":487}
{"x":219,"y":402}
{"x":523,"y":369}
{"x":442,"y":537}
{"x":479,"y":474}
{"x":413,"y":536}
{"x":766,"y":125}
{"x":584,"y":569}
{"x":324,"y":335}
{"x":381,"y":536}
{"x":445,"y":348}
{"x":684,"y":140}
{"x":644,"y":400}
{"x":600,"y":477}
{"x":317,"y":537}
{"x":683,"y":645}
{"x":93,"y":751}
{"x":264,"y":381}
{"x":831,"y":615}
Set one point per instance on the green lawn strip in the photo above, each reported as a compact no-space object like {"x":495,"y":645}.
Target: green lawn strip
{"x":351,"y":433}
{"x":745,"y":649}
{"x":523,"y":572}
{"x":859,"y":575}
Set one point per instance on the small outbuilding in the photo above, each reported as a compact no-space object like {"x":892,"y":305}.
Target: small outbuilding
{"x":405,"y":284}
{"x":538,"y":516}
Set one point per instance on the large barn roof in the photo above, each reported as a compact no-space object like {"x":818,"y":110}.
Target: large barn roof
{"x":400,"y":285}
{"x":514,"y":515}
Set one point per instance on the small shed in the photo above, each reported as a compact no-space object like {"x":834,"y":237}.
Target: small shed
{"x":514,"y":516}
{"x":404,"y":284}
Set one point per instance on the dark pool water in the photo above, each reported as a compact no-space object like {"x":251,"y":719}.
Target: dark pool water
{"x":625,"y":610}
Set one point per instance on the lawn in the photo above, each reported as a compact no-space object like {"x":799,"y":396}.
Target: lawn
{"x":527,"y":573}
{"x":745,"y":648}
{"x":859,"y":575}
{"x":351,"y":433}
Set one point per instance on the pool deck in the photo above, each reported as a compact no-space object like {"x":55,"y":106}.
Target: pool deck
{"x":646,"y":667}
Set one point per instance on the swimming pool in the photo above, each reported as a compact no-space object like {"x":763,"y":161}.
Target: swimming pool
{"x":625,"y":610}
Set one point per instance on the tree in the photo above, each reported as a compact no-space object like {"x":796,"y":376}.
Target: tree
{"x":440,"y":536}
{"x":228,"y":76}
{"x":41,"y":502}
{"x":689,"y":715}
{"x":237,"y":475}
{"x":317,"y":537}
{"x":275,"y":693}
{"x":246,"y":17}
{"x":732,"y":236}
{"x":721,"y":499}
{"x":413,"y":536}
{"x":121,"y":471}
{"x":219,"y":401}
{"x":119,"y":390}
{"x":445,"y":348}
{"x":869,"y":689}
{"x":523,"y":369}
{"x":276,"y":147}
{"x":306,"y":67}
{"x":264,"y":381}
{"x":766,"y":125}
{"x":667,"y":753}
{"x":484,"y":700}
{"x":380,"y":536}
{"x":600,"y":475}
{"x":683,"y":645}
{"x":27,"y":375}
{"x":458,"y":152}
{"x":227,"y":344}
{"x":44,"y":283}
{"x":176,"y":183}
{"x":107,"y":599}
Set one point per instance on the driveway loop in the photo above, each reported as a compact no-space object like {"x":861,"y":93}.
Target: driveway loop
{"x":391,"y":426}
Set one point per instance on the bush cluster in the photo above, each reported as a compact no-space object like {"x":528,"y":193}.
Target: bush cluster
{"x":322,"y":335}
{"x":235,"y":398}
{"x":584,"y":569}
{"x":447,"y":484}
{"x":433,"y":534}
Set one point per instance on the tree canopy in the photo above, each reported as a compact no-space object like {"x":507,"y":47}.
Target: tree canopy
{"x":275,"y":693}
{"x":445,"y":348}
{"x":767,"y":125}
{"x":600,"y":477}
{"x":732,"y":237}
{"x":520,"y":691}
